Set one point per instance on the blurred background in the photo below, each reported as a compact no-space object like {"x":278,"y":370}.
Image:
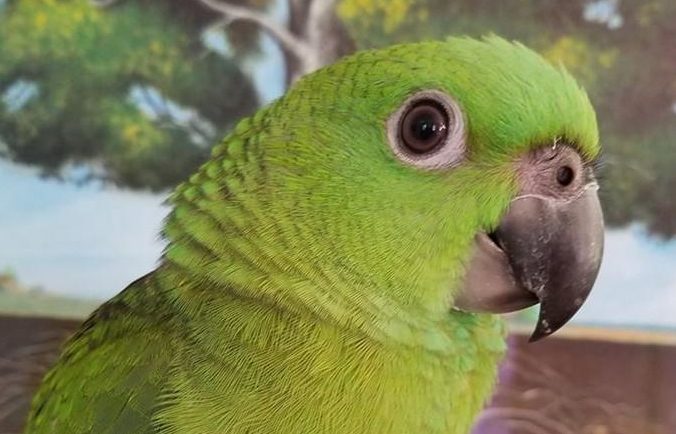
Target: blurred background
{"x":106,"y":105}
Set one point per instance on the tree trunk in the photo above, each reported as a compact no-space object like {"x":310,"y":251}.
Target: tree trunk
{"x":315,"y":22}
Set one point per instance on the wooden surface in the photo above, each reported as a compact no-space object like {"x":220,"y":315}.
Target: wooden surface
{"x":585,"y":381}
{"x":28,"y":346}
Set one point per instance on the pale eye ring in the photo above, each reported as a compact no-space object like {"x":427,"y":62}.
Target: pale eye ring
{"x":428,"y":131}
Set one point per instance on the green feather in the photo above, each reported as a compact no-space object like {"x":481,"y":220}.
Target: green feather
{"x":308,"y":279}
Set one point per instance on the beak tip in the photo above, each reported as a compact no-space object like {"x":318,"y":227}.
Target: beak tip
{"x":542,"y":330}
{"x":552,"y":319}
{"x":537,"y":336}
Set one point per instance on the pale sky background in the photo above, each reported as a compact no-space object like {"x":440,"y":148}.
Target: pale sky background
{"x":91,"y":242}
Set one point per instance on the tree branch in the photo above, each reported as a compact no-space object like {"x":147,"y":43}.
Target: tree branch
{"x":239,"y":13}
{"x":102,"y":3}
{"x":319,"y":15}
{"x":319,"y":18}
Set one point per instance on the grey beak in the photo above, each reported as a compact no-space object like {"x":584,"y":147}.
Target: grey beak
{"x":545,"y":250}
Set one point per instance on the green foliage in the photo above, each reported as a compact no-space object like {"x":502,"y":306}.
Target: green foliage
{"x":388,"y":13}
{"x":84,"y":63}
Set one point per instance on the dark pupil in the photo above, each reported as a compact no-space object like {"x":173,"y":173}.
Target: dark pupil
{"x":424,"y":127}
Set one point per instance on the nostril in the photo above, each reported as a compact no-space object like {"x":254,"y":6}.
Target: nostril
{"x":565,"y":175}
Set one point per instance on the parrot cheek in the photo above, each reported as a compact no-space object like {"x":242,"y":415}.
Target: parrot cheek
{"x":547,"y":249}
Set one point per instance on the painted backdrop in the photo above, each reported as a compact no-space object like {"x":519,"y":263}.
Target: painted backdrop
{"x":105,"y":105}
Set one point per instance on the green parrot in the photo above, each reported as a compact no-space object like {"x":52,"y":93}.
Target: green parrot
{"x":339,"y":264}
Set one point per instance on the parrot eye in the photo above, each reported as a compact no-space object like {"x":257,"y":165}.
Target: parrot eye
{"x":428,"y":131}
{"x":424,"y":127}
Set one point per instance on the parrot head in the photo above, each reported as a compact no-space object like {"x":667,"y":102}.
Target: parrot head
{"x":423,"y":180}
